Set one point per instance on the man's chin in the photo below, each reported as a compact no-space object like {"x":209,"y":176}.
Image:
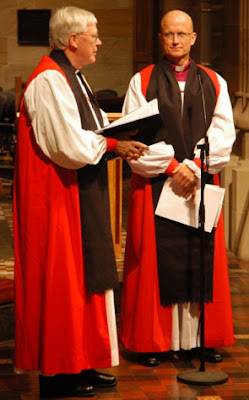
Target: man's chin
{"x":176,"y":53}
{"x":174,"y":58}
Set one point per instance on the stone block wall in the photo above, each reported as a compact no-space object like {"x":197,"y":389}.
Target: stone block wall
{"x":113,"y":68}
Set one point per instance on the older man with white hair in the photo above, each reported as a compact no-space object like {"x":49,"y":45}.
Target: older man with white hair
{"x":65,"y":268}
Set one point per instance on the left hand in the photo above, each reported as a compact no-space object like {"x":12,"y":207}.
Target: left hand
{"x":130,"y":149}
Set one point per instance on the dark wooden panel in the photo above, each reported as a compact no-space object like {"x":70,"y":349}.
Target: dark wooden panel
{"x":146,"y":27}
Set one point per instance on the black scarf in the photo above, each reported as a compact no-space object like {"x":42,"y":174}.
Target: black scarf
{"x":98,"y":252}
{"x":182,"y":129}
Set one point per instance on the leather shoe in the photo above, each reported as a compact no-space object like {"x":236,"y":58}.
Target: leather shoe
{"x":211,"y":355}
{"x":64,"y":385}
{"x":148,"y":359}
{"x":98,"y":379}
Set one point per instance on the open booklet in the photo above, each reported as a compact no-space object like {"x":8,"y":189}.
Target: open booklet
{"x":137,"y":119}
{"x":173,"y":206}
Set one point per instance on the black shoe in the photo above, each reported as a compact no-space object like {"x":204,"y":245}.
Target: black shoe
{"x":211,"y":355}
{"x":64,"y":385}
{"x":148,"y":359}
{"x":98,"y":379}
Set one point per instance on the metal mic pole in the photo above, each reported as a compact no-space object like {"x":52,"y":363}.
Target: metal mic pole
{"x":201,"y":376}
{"x":204,"y":155}
{"x":202,"y":261}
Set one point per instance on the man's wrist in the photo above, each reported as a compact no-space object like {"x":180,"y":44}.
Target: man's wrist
{"x":172,"y":166}
{"x":111,"y":144}
{"x":193,"y":166}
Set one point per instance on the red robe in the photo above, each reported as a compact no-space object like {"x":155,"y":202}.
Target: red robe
{"x":146,"y":325}
{"x":59,"y":327}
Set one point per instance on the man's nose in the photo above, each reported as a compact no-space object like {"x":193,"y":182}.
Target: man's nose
{"x":175,"y":37}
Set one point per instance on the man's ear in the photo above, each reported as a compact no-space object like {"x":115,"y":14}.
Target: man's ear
{"x":73,"y":41}
{"x":193,"y":38}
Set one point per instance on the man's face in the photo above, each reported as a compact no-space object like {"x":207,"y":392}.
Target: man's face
{"x":177,"y":37}
{"x":87,"y":46}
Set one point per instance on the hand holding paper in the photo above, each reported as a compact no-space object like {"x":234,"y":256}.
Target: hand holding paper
{"x":174,"y":206}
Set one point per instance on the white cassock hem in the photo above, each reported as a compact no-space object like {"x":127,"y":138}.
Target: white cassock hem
{"x":185,"y":324}
{"x":111,"y":320}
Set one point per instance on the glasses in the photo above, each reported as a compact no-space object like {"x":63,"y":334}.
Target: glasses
{"x":94,"y":37}
{"x":179,"y":35}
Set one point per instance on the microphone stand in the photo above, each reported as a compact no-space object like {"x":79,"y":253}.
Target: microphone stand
{"x":202,"y":376}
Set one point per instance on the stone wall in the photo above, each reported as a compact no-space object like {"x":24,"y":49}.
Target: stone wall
{"x":113,"y":68}
{"x":235,"y":177}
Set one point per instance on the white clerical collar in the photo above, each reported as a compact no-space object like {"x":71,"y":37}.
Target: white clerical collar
{"x":179,"y":68}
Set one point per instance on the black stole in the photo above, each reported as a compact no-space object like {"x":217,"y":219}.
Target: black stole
{"x":98,"y":252}
{"x":178,"y":246}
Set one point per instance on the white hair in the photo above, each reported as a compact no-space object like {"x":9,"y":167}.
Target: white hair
{"x":68,"y":20}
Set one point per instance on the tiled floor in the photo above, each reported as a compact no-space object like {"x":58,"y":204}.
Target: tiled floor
{"x":136,"y":381}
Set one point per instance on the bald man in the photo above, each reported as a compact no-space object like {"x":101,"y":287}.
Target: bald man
{"x":161,"y":287}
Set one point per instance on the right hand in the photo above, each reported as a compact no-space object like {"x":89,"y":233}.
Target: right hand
{"x":130,"y":149}
{"x":186,"y":178}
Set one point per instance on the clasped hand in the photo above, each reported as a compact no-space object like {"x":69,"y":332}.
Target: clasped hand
{"x":186,"y":179}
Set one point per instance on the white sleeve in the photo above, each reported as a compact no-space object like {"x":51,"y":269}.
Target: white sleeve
{"x":159,"y":155}
{"x":134,"y":97}
{"x":221,"y":132}
{"x":155,"y":160}
{"x":56,"y":123}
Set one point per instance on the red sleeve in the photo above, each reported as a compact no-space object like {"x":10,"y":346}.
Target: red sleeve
{"x":111,"y":144}
{"x":173,"y":164}
{"x":197,"y":162}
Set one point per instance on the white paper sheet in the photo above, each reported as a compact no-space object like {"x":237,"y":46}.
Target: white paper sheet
{"x":173,"y":206}
{"x":150,"y":109}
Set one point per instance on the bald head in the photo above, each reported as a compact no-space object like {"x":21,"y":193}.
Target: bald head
{"x":177,"y":17}
{"x":177,"y":36}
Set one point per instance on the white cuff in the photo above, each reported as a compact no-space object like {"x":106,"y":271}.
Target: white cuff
{"x":191,"y":164}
